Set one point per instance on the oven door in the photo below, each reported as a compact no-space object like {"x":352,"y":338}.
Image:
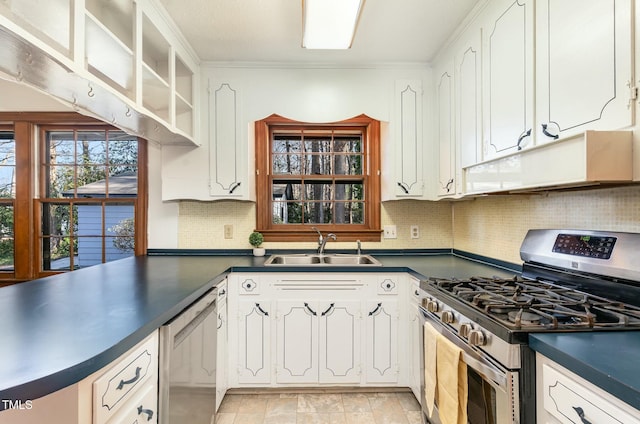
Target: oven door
{"x":492,"y":390}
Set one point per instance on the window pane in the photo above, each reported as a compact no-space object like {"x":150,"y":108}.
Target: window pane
{"x":286,"y":144}
{"x":318,"y":213}
{"x":7,"y":165}
{"x":56,"y":219}
{"x":316,"y":164}
{"x":318,"y":191}
{"x":91,"y":181}
{"x":349,"y":191}
{"x":6,"y":238}
{"x":61,"y":181}
{"x":61,"y":146}
{"x":123,"y":184}
{"x":351,"y":144}
{"x":89,"y":233}
{"x":286,"y":191}
{"x":119,"y":221}
{"x":317,"y":145}
{"x":349,"y":213}
{"x":56,"y":253}
{"x":286,"y":164}
{"x":348,"y":165}
{"x":287,"y":212}
{"x":91,"y":147}
{"x":123,"y":149}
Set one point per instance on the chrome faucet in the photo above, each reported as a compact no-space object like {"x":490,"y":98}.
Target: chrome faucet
{"x":359,"y":249}
{"x":322,"y":241}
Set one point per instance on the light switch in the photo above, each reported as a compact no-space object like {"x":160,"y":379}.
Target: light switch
{"x":390,"y":232}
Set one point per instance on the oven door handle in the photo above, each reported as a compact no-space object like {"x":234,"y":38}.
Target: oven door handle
{"x":479,"y":363}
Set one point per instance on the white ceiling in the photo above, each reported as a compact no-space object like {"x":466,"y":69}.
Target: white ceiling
{"x":390,"y":31}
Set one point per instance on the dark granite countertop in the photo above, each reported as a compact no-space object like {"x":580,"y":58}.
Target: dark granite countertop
{"x":58,"y":330}
{"x":607,"y":359}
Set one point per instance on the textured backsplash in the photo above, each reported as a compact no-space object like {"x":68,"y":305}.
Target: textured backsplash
{"x":492,"y":226}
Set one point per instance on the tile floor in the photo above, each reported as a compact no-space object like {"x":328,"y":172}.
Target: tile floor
{"x":320,"y":408}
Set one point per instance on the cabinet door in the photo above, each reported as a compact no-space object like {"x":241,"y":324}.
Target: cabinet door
{"x":339,"y":342}
{"x":445,"y":131}
{"x":415,"y":367}
{"x":508,"y":72}
{"x":227,"y":175}
{"x":297,"y":341}
{"x":469,"y":100}
{"x":584,"y":66}
{"x":222,"y":378}
{"x":381,"y":343}
{"x":254,"y":341}
{"x":408,"y":136}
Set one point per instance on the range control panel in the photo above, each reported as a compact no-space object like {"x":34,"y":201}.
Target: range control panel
{"x":590,"y":246}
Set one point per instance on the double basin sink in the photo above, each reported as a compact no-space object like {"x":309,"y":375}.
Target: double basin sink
{"x":317,"y":259}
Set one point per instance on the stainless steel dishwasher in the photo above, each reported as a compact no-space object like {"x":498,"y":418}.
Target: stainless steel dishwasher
{"x":187,"y":391}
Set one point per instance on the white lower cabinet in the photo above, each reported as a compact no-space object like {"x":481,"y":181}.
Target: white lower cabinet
{"x":125,"y":391}
{"x":318,"y":342}
{"x":566,"y":398}
{"x":381,"y":364}
{"x":309,"y":329}
{"x":254,"y":341}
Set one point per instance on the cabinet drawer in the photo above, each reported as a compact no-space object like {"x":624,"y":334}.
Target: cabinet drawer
{"x":141,"y":408}
{"x":568,"y":399}
{"x":123,"y":380}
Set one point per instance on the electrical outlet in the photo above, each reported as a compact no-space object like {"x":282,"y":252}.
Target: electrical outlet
{"x":415,"y":232}
{"x":228,"y":231}
{"x":390,"y":232}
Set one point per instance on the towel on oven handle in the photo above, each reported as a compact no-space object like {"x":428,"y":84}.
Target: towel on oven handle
{"x":445,"y":377}
{"x":430,"y":379}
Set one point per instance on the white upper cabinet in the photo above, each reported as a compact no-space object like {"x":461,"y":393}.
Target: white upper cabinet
{"x":49,"y":21}
{"x":533,"y":80}
{"x":109,"y":43}
{"x":122,"y":61}
{"x":228,"y":172}
{"x":468,"y":73}
{"x":408,"y":138}
{"x":445,"y":134}
{"x":583,"y":66}
{"x":508,"y":40}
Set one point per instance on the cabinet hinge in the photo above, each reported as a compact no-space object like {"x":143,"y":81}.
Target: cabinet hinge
{"x":633,"y":94}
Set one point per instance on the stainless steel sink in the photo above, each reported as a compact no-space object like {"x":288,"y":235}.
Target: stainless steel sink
{"x":333,"y":259}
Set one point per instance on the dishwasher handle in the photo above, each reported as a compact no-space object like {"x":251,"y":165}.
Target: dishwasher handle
{"x":210,"y":306}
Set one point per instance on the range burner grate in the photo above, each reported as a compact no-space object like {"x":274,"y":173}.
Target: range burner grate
{"x":536,"y":305}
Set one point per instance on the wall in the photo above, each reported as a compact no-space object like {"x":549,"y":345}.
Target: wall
{"x":201,"y":226}
{"x":494,"y":226}
{"x":312,"y":93}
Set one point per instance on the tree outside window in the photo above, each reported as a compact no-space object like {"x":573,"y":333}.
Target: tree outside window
{"x":318,"y":175}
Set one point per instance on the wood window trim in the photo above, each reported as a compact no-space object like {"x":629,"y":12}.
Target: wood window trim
{"x":25,"y":126}
{"x":370,"y":231}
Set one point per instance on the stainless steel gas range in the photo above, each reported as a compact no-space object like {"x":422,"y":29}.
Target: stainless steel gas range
{"x":572,"y":280}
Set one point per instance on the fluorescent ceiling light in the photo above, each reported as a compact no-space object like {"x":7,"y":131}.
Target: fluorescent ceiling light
{"x":330,"y":24}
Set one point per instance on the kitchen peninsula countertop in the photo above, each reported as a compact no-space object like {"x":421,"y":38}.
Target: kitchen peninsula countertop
{"x":60,"y":329}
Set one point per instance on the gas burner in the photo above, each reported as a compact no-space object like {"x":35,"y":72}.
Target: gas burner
{"x":522,"y":317}
{"x":525,"y":304}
